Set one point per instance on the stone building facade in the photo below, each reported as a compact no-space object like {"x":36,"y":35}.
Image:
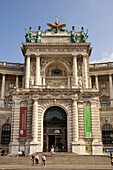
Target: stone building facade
{"x":54,"y":87}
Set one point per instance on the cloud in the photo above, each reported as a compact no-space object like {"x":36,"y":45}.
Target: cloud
{"x":105,"y":58}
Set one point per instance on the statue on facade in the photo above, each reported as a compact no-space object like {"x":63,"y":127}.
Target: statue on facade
{"x":74,"y":38}
{"x":80,"y":81}
{"x":38,"y":38}
{"x":56,"y":26}
{"x":83,"y":35}
{"x":28,"y":35}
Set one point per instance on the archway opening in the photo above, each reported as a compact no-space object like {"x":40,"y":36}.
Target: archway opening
{"x":55,"y":129}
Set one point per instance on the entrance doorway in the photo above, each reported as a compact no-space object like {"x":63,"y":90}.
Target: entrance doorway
{"x":55,"y":129}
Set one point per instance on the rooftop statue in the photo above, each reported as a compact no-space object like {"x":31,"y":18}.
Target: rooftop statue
{"x":74,"y":36}
{"x":83,"y":35}
{"x":56,"y":25}
{"x":28,"y":35}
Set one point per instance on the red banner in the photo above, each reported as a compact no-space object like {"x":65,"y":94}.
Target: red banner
{"x":23,"y":122}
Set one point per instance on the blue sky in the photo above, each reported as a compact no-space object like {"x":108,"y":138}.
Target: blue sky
{"x":94,"y":15}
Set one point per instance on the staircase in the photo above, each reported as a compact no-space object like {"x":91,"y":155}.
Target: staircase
{"x":60,"y":158}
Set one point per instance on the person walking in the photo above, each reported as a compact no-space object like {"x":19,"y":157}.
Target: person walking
{"x":43,"y":159}
{"x":37,"y":159}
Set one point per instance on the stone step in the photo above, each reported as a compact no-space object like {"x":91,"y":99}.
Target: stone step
{"x":58,"y":159}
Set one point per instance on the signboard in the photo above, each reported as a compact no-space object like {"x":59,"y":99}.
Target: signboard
{"x":23,"y":122}
{"x":87,"y":122}
{"x":88,"y":148}
{"x":109,"y":150}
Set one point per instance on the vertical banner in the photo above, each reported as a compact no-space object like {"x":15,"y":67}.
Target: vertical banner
{"x":87,"y":122}
{"x":23,"y":122}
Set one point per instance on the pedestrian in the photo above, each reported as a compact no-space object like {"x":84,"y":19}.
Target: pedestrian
{"x":52,"y":150}
{"x":32,"y":159}
{"x":37,"y":159}
{"x":43,"y":159}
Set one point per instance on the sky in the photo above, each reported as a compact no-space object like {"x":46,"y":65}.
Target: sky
{"x":18,"y":15}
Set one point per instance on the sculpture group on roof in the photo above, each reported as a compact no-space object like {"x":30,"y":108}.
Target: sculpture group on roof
{"x":56,"y":28}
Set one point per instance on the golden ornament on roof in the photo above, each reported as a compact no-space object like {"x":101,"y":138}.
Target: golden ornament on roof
{"x":56,"y":25}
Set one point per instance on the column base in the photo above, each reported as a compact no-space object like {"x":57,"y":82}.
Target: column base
{"x":74,"y":87}
{"x":97,"y":149}
{"x":76,"y":147}
{"x":2,"y":102}
{"x":27,"y":148}
{"x":13,"y":148}
{"x":33,"y":147}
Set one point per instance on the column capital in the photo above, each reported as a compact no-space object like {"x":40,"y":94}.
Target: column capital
{"x":74,"y":54}
{"x":35,"y":99}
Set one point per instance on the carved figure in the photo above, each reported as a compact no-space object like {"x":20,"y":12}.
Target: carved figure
{"x":38,"y":38}
{"x":80,"y":81}
{"x":74,"y":38}
{"x":83,"y":35}
{"x":32,"y":81}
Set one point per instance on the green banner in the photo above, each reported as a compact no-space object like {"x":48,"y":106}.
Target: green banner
{"x":87,"y":122}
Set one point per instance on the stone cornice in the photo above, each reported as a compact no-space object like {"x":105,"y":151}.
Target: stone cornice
{"x":57,"y":44}
{"x":40,"y":49}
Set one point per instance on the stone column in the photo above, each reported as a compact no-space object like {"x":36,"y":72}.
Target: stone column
{"x":90,"y":81}
{"x":37,"y":78}
{"x":96,"y":129}
{"x":27,"y":72}
{"x":68,"y":81}
{"x":85,"y":71}
{"x":75,"y":78}
{"x":111,"y":90}
{"x":75,"y":143}
{"x":75,"y":121}
{"x":34,"y":142}
{"x":17,"y":81}
{"x":3,"y":87}
{"x":96,"y":82}
{"x":22,"y":81}
{"x":43,"y":81}
{"x":15,"y":127}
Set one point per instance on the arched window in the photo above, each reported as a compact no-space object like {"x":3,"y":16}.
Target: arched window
{"x":56,"y":72}
{"x":107,"y":132}
{"x":6,"y":131}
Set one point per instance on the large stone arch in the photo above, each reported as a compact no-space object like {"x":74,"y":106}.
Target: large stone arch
{"x":54,"y":61}
{"x":66,"y":106}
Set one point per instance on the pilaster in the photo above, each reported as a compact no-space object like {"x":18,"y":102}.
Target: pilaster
{"x":34,"y":142}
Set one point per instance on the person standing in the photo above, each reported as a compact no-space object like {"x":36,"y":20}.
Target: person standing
{"x":32,"y":159}
{"x":43,"y":159}
{"x":52,"y":150}
{"x":37,"y":159}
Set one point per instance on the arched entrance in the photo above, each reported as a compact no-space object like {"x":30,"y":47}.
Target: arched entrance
{"x":55,"y":129}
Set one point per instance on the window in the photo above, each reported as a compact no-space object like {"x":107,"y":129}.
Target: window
{"x":104,"y":103}
{"x":9,"y":103}
{"x":56,"y":72}
{"x":107,"y":132}
{"x":103,"y":86}
{"x":11,"y":85}
{"x":6,"y":131}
